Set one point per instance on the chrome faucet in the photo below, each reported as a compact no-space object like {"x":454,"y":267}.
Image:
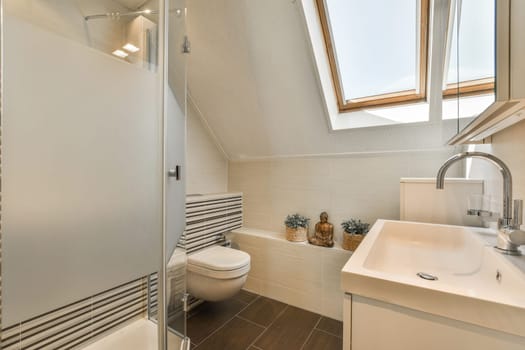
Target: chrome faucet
{"x":510,"y":237}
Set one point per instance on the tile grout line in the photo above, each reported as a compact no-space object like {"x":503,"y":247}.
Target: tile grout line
{"x":329,"y":333}
{"x":311,"y":332}
{"x":257,"y":296}
{"x":269,"y":325}
{"x":250,"y":321}
{"x":224,"y":324}
{"x":264,"y":329}
{"x":248,"y":304}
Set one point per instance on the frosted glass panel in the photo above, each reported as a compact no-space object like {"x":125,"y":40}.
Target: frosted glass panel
{"x":81,"y":177}
{"x":376,"y":45}
{"x":475,"y":58}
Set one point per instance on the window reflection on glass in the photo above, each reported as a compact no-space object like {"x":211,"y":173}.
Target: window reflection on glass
{"x":136,"y":38}
{"x":471,"y":56}
{"x":125,"y":29}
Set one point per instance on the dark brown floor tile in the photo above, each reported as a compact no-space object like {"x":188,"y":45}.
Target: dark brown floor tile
{"x":323,"y":341}
{"x":289,"y":331}
{"x":194,"y":309}
{"x":176,"y":322}
{"x":263,"y":311}
{"x":245,"y":296}
{"x":237,"y":334}
{"x":208,"y":317}
{"x":331,"y":326}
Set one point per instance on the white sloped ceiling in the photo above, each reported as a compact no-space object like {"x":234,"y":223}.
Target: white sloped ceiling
{"x":252,"y":76}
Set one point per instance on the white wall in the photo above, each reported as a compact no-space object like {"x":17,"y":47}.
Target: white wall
{"x":252,"y":74}
{"x":207,"y":166}
{"x":81,"y":181}
{"x":359,"y":186}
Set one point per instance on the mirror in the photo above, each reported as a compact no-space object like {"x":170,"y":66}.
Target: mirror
{"x":485,"y":57}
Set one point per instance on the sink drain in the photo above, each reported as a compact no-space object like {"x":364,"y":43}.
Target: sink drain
{"x":427,"y":276}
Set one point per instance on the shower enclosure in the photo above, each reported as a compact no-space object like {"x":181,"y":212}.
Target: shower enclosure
{"x":93,"y":187}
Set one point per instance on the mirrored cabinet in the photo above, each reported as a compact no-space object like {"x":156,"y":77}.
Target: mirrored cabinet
{"x":487,"y":61}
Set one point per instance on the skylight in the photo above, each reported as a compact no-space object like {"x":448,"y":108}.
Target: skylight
{"x":377,"y":50}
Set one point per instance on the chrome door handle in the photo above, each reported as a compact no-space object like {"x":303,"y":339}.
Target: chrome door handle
{"x":174,"y":172}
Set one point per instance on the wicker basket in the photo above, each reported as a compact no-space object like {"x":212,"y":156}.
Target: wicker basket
{"x":351,"y":241}
{"x":296,"y":234}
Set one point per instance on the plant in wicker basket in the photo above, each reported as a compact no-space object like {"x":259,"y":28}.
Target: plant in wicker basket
{"x":354,"y":231}
{"x":296,"y":227}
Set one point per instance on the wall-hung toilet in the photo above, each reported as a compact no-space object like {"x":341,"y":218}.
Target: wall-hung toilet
{"x":217,"y":273}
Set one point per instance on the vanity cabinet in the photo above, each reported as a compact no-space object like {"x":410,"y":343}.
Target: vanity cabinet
{"x":371,"y":324}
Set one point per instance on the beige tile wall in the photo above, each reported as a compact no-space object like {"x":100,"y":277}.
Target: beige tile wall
{"x":298,"y":274}
{"x":360,"y":186}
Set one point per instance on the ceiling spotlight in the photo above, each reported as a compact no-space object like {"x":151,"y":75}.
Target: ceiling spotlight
{"x":130,"y":48}
{"x":120,"y":53}
{"x":147,"y":11}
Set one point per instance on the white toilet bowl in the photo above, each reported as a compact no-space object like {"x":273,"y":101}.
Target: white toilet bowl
{"x":217,"y":273}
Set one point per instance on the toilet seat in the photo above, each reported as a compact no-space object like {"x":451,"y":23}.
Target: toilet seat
{"x":219,"y":262}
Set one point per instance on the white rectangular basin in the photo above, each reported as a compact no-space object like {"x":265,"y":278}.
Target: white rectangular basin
{"x":475,"y":284}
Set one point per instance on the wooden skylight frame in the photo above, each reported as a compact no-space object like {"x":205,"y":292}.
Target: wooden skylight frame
{"x":468,"y":87}
{"x":407,"y":96}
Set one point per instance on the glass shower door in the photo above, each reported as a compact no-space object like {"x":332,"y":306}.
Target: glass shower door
{"x":174,"y":285}
{"x":83,"y":180}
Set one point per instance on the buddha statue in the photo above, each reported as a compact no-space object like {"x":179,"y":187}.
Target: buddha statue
{"x":324,"y":232}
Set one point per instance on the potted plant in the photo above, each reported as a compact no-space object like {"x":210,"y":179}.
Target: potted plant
{"x":296,"y":228}
{"x":354,"y":232}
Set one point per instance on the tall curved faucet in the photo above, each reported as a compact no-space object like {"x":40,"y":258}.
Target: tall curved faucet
{"x":502,"y":167}
{"x":510,"y":236}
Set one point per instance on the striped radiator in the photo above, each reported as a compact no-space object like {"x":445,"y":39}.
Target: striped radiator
{"x":73,"y":325}
{"x":208,"y":218}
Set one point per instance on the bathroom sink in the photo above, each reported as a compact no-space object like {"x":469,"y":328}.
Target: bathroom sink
{"x":450,"y":271}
